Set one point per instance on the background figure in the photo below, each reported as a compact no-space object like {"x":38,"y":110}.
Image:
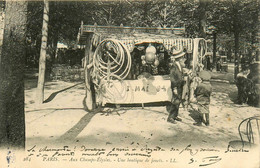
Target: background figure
{"x":208,"y":63}
{"x":254,"y":85}
{"x":242,"y":86}
{"x":243,"y":63}
{"x":218,"y":64}
{"x":202,"y":93}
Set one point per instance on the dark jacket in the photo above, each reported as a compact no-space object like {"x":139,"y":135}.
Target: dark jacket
{"x":203,"y":92}
{"x":176,"y":75}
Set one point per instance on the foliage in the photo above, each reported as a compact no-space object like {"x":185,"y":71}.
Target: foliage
{"x":228,"y":16}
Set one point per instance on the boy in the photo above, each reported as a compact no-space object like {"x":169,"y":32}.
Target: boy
{"x":202,"y":94}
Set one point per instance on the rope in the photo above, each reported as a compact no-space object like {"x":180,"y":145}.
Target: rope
{"x":111,"y":61}
{"x":115,"y":63}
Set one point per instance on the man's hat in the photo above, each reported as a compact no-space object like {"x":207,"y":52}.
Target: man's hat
{"x":177,"y":53}
{"x":204,"y":75}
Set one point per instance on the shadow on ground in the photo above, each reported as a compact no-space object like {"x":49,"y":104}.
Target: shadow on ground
{"x":77,"y":128}
{"x":233,"y":96}
{"x":128,"y":139}
{"x":238,"y":144}
{"x":174,"y":136}
{"x":193,"y":113}
{"x":53,"y":95}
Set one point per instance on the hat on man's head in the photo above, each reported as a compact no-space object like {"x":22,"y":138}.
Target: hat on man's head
{"x":204,"y":75}
{"x":177,"y":53}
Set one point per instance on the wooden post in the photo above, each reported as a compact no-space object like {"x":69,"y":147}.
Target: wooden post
{"x":88,"y":58}
{"x":42,"y":61}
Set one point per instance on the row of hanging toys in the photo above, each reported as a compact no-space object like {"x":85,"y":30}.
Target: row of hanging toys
{"x":178,"y":43}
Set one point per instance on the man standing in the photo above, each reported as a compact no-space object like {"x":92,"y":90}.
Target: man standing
{"x":176,"y":77}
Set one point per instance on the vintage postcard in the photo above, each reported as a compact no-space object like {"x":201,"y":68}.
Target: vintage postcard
{"x":126,"y":83}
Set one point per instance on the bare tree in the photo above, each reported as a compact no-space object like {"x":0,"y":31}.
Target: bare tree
{"x":12,"y":121}
{"x":42,"y":61}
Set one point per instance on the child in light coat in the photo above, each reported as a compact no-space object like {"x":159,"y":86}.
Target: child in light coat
{"x":202,"y":94}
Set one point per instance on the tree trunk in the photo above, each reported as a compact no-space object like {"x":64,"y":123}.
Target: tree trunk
{"x":1,"y":28}
{"x":12,"y":121}
{"x":53,"y":32}
{"x":214,"y":48}
{"x":165,"y":15}
{"x":202,"y":18}
{"x":236,"y":70}
{"x":145,"y":14}
{"x":54,"y":48}
{"x":229,"y":53}
{"x":42,"y":60}
{"x":236,"y":30}
{"x":258,"y":41}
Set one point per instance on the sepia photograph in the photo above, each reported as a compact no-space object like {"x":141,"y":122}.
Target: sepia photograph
{"x":129,"y":83}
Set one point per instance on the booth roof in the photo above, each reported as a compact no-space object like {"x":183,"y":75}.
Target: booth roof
{"x":131,"y":36}
{"x":130,"y":40}
{"x":140,"y":37}
{"x":128,"y":33}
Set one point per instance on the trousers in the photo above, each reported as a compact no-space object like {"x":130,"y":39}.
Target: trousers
{"x":173,"y":108}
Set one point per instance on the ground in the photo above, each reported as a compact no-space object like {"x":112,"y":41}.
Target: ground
{"x":136,"y":136}
{"x":62,"y":119}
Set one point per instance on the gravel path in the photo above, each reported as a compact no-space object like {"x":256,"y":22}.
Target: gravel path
{"x":62,"y":119}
